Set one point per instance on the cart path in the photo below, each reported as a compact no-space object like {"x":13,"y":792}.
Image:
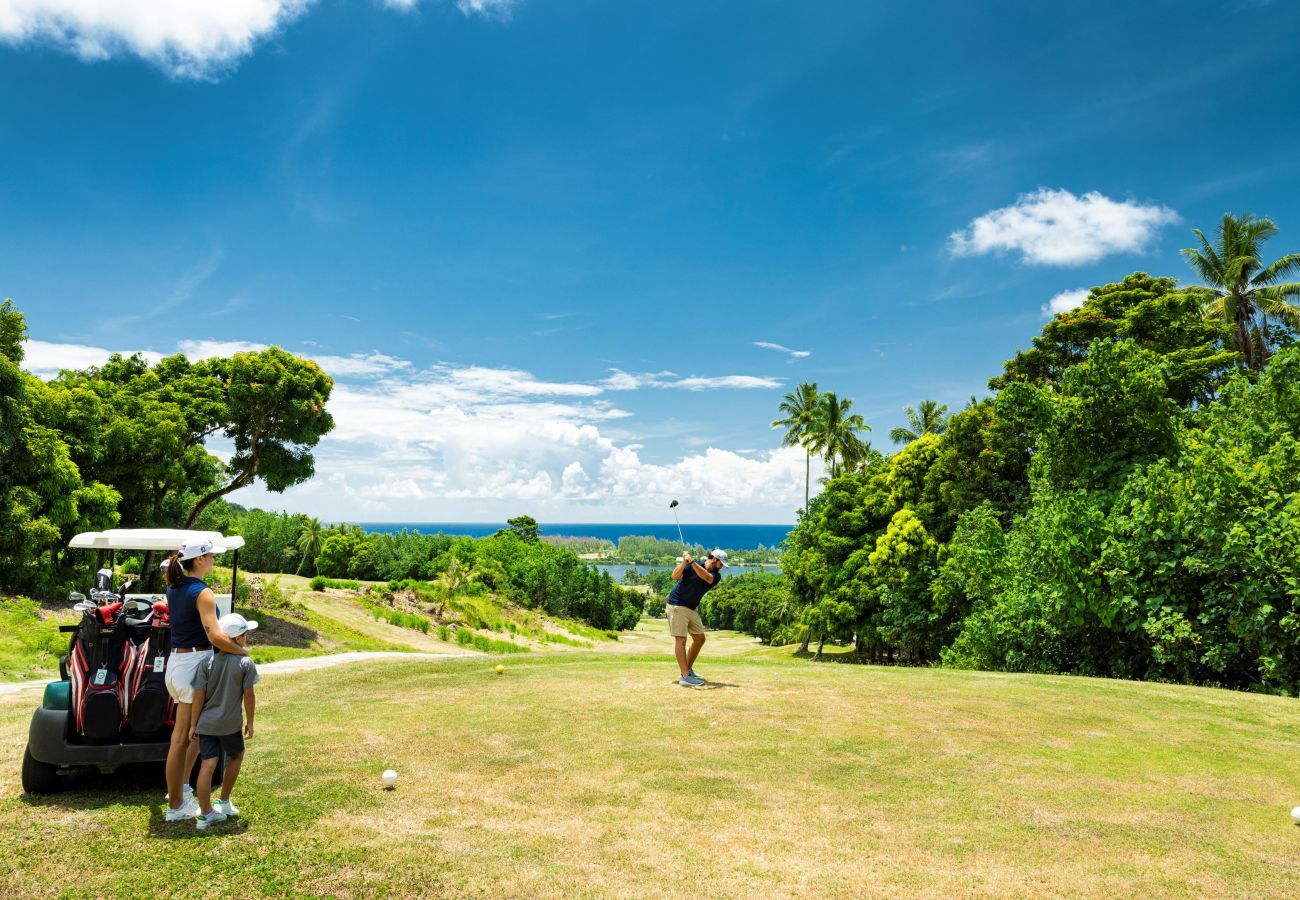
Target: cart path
{"x":285,"y":665}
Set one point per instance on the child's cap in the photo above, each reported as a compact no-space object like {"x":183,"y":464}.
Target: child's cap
{"x":233,"y":625}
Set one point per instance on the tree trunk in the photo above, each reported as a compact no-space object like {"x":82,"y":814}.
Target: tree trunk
{"x":242,"y":481}
{"x":821,"y":642}
{"x":148,"y":573}
{"x":803,"y":646}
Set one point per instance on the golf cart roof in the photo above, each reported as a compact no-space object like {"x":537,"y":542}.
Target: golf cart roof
{"x":166,"y":539}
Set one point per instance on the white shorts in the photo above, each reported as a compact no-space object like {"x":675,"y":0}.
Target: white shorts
{"x":180,"y":674}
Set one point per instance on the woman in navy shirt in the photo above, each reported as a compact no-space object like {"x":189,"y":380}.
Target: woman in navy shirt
{"x":193,"y":610}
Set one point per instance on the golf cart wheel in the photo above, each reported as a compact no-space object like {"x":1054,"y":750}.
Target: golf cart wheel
{"x":39,"y":777}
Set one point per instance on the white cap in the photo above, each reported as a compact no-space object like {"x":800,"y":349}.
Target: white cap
{"x":198,"y":548}
{"x":233,"y":625}
{"x":720,"y":556}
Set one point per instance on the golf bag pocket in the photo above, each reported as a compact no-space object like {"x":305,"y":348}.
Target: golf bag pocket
{"x":101,"y":716}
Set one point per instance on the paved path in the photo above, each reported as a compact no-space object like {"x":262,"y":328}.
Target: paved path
{"x":284,"y":665}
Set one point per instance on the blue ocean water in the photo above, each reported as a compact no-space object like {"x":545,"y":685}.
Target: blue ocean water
{"x":734,"y":537}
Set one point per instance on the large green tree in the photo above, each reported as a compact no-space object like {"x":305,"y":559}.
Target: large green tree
{"x":44,"y":500}
{"x":800,"y":408}
{"x":274,"y":414}
{"x":1241,"y":291}
{"x":1154,"y":313}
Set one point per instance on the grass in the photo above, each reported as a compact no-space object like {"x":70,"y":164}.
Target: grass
{"x":30,"y":644}
{"x":592,"y":774}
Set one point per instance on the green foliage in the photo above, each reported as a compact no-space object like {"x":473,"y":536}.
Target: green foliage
{"x":397,"y":617}
{"x":1244,"y":295}
{"x":523,"y":527}
{"x":757,"y":603}
{"x":273,"y":411}
{"x":28,"y":643}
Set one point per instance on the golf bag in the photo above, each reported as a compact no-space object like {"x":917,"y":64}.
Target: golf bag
{"x":95,"y":669}
{"x":147,"y":707}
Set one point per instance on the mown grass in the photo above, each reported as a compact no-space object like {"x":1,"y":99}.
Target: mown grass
{"x":595,"y":775}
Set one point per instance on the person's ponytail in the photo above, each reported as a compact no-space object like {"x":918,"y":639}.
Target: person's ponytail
{"x":174,"y":571}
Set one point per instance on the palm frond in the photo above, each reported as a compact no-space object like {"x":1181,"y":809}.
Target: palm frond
{"x":1279,"y":268}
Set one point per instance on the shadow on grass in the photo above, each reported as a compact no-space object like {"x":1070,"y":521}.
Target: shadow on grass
{"x":185,"y":829}
{"x":281,"y":631}
{"x":708,"y":685}
{"x":838,"y":656}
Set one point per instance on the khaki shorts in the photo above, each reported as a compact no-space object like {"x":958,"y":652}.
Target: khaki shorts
{"x":180,"y":674}
{"x":683,"y":621}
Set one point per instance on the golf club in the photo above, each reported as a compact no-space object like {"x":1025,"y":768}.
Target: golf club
{"x":673,"y":507}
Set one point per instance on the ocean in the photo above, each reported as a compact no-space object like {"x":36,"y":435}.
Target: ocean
{"x":732,"y":537}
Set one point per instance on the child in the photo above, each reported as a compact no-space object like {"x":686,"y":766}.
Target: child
{"x":219,"y":687}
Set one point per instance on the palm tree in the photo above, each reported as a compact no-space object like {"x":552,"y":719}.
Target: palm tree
{"x":932,"y":419}
{"x":1241,"y":290}
{"x":454,"y":580}
{"x":310,"y":537}
{"x":800,"y":408}
{"x":834,"y":434}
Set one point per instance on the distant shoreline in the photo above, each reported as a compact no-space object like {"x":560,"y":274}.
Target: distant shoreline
{"x":734,"y":537}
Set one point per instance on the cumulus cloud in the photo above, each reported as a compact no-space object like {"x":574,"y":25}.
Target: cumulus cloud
{"x":794,"y":354}
{"x":45,"y":360}
{"x":197,"y":39}
{"x":1058,"y":228}
{"x":418,"y":443}
{"x":186,"y":38}
{"x":1065,"y":301}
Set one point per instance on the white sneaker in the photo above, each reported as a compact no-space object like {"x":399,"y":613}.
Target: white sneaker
{"x":212,"y":818}
{"x":226,"y":806}
{"x":188,"y":809}
{"x":186,"y":793}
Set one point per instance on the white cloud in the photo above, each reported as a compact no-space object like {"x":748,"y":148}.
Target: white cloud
{"x":794,"y":354}
{"x":628,"y":381}
{"x":197,"y":350}
{"x":1065,"y":301}
{"x":455,"y":442}
{"x":492,"y":9}
{"x":360,"y":364}
{"x":1058,"y":228}
{"x":44,"y":359}
{"x":186,"y":38}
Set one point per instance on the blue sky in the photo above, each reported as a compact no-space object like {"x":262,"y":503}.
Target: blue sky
{"x":540,"y":242}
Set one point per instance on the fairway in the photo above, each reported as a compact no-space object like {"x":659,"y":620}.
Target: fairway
{"x":594,"y":775}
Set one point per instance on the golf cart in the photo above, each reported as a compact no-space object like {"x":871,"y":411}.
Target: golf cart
{"x":110,"y":707}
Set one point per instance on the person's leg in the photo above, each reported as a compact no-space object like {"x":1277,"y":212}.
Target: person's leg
{"x":180,"y":756}
{"x":680,"y":648}
{"x":697,"y":641}
{"x":204,"y":791}
{"x":234,"y":756}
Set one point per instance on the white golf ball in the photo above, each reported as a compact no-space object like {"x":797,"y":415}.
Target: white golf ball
{"x":1295,"y":814}
{"x":389,"y":778}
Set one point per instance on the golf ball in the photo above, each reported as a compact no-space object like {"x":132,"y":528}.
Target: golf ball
{"x":389,"y":778}
{"x":501,"y":670}
{"x":1295,"y":814}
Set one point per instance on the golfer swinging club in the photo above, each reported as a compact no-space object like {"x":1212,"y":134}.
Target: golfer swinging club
{"x":693,"y":582}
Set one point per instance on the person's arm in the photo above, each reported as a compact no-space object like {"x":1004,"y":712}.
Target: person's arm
{"x":207,"y":604}
{"x":681,"y":567}
{"x":702,"y":572}
{"x":196,"y":709}
{"x":250,"y":707}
